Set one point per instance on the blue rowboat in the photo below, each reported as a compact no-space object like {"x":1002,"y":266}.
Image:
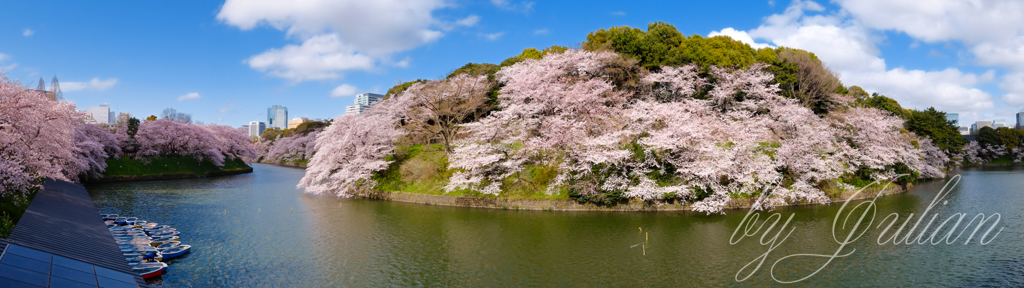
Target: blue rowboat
{"x":176,"y":251}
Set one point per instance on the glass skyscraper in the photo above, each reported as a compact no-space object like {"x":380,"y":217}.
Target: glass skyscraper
{"x":955,"y":117}
{"x":277,"y":117}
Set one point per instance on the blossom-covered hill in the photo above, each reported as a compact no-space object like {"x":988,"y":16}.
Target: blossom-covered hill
{"x":613,"y":131}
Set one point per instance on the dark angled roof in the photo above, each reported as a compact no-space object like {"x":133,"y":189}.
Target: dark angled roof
{"x":62,"y":220}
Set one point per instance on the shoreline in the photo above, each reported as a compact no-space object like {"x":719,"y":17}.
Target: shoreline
{"x":570,"y":205}
{"x":285,"y":164}
{"x":168,"y":176}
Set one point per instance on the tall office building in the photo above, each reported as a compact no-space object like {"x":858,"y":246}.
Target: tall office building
{"x":101,"y":114}
{"x":1020,"y":120}
{"x":998,"y":123}
{"x":363,"y":102}
{"x":368,"y":98}
{"x":978,"y":125}
{"x":256,"y":128}
{"x":277,"y":117}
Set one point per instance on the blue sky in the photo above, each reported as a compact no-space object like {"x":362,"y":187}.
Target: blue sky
{"x":227,"y":62}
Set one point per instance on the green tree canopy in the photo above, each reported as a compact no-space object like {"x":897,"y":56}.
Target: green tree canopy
{"x":933,"y":124}
{"x":663,"y":45}
{"x":397,"y":89}
{"x":474,"y":69}
{"x":885,"y":103}
{"x":987,"y":135}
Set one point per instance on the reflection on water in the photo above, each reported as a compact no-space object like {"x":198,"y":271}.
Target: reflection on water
{"x":258,"y":230}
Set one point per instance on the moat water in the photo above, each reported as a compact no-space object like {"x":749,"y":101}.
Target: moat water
{"x":258,"y":230}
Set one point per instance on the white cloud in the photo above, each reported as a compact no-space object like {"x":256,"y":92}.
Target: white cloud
{"x":347,"y":34}
{"x":849,"y":48}
{"x":468,"y":21}
{"x":9,"y":67}
{"x":27,"y":32}
{"x":540,"y":31}
{"x":344,"y":90}
{"x":404,"y":63}
{"x":318,"y":58}
{"x":95,"y":84}
{"x":739,"y":36}
{"x":992,"y":29}
{"x":1013,"y":84}
{"x":492,"y":36}
{"x":618,"y":13}
{"x":941,"y":20}
{"x":947,"y":90}
{"x":524,"y":6}
{"x":377,"y":27}
{"x":226,"y":107}
{"x":1006,"y":53}
{"x":190,"y":96}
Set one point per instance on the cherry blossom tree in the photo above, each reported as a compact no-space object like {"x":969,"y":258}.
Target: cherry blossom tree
{"x":166,"y":137}
{"x":976,"y":152}
{"x":93,"y":145}
{"x":235,"y":143}
{"x":439,"y":107}
{"x":36,"y":137}
{"x":559,"y":105}
{"x":289,"y":149}
{"x":353,"y":148}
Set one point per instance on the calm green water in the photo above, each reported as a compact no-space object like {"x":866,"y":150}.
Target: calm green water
{"x":257,"y":230}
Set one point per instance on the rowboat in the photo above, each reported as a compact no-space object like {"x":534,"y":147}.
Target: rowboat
{"x":160,"y":240}
{"x":150,"y":269}
{"x":168,"y":244}
{"x":176,"y":251}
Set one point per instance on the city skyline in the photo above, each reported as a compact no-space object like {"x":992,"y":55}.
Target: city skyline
{"x":251,"y":58}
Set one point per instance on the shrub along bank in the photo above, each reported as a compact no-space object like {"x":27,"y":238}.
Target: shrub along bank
{"x":169,"y":167}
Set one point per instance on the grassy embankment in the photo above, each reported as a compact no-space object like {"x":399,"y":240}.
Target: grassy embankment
{"x":296,"y":163}
{"x":127,"y":168}
{"x":424,"y":171}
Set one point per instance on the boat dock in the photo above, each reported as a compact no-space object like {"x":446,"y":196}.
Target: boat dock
{"x":61,"y":241}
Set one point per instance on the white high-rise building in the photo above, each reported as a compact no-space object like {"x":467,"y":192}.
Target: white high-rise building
{"x":256,"y":128}
{"x":363,"y":102}
{"x":998,"y":123}
{"x":368,"y":98}
{"x":101,"y":114}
